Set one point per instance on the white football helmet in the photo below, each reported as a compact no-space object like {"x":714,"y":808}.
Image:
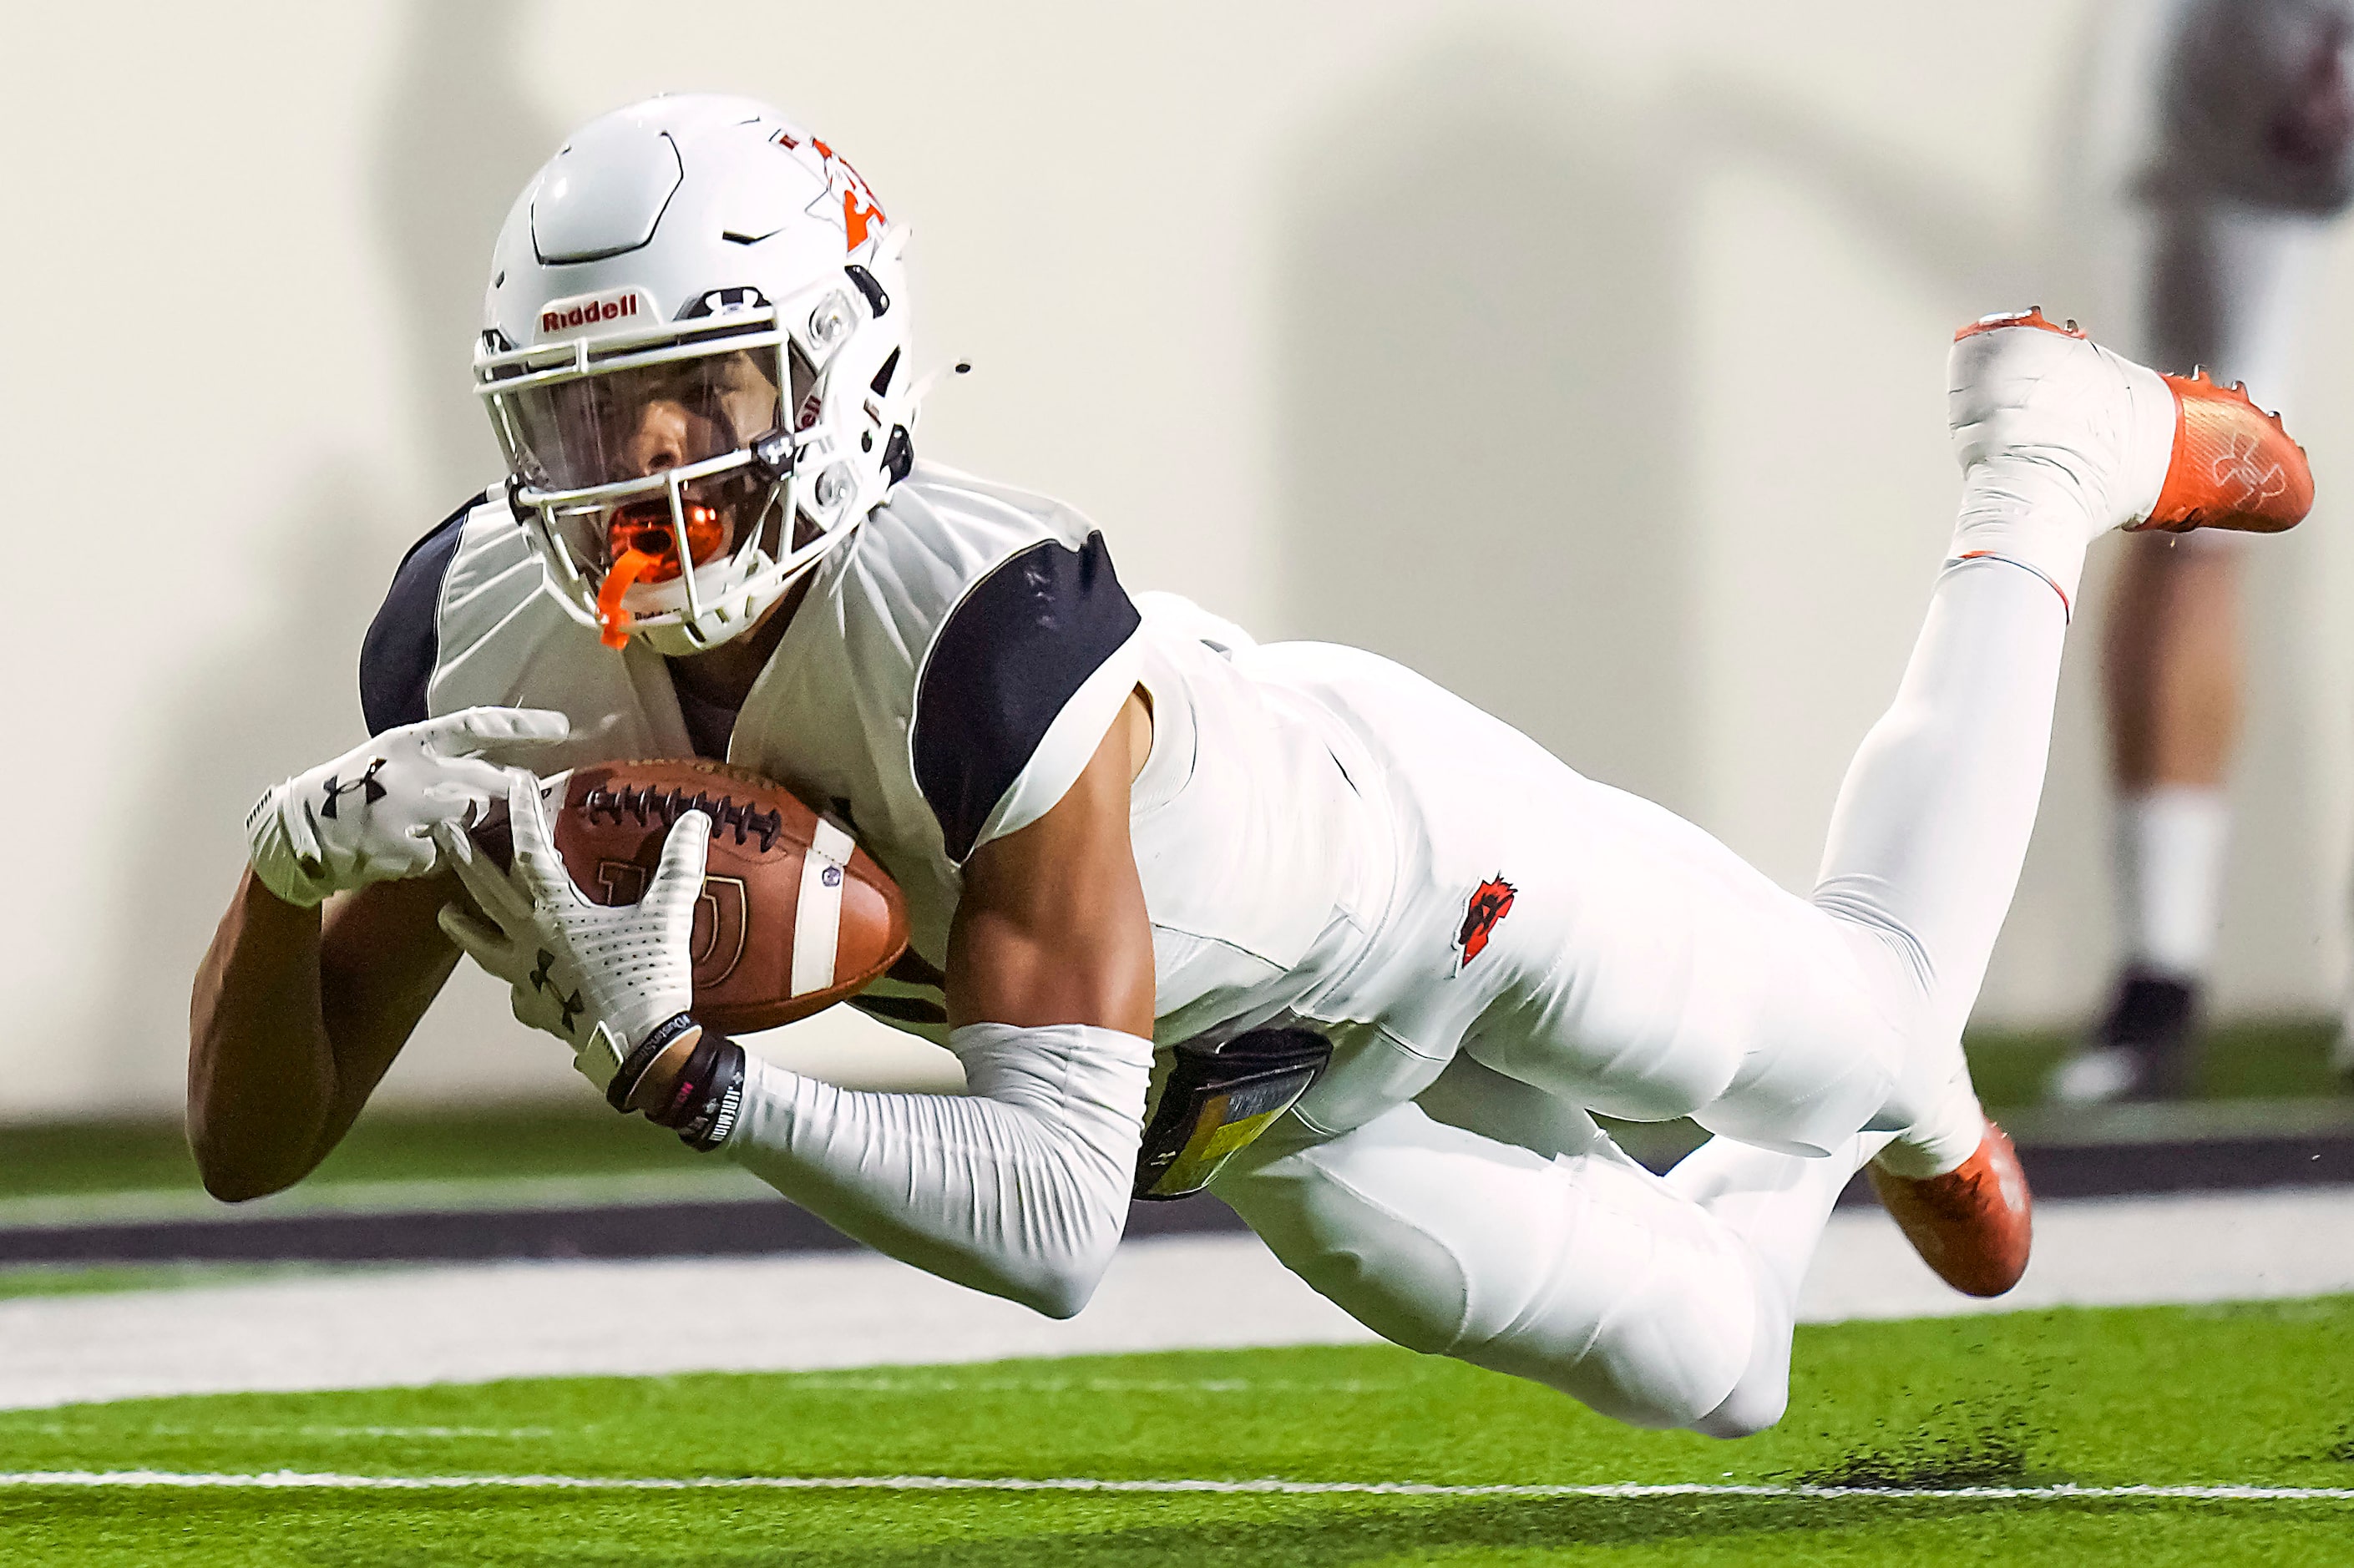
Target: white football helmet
{"x":694,"y":350}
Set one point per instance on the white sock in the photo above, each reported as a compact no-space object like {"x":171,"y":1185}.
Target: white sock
{"x":2169,"y":845}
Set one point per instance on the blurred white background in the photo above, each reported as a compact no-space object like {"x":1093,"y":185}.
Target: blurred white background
{"x":1587,"y":356}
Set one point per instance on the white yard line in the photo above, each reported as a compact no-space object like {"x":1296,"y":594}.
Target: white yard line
{"x":302,"y":1481}
{"x":478,"y":1323}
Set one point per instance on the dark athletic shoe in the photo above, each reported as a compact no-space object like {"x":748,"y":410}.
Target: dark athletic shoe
{"x":2141,"y":1050}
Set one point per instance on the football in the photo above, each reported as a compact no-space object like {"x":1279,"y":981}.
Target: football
{"x":793,"y":917}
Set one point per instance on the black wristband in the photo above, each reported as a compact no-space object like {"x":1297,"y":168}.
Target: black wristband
{"x":703,"y":1104}
{"x":638,"y":1062}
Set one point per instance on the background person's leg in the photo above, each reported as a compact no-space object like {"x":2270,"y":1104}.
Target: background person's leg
{"x":2170,"y":677}
{"x":2226,"y":287}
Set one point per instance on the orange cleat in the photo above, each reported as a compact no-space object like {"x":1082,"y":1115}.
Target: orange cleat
{"x":2233,"y":466}
{"x":1973,"y":1224}
{"x":2139,"y":450}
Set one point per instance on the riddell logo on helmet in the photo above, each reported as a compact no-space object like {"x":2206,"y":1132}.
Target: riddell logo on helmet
{"x":593,"y":310}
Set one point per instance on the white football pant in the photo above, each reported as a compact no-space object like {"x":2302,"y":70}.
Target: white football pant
{"x":1644,"y":970}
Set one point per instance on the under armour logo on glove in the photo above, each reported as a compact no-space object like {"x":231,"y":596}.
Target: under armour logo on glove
{"x":372,"y":791}
{"x":368,"y":816}
{"x":541,"y":980}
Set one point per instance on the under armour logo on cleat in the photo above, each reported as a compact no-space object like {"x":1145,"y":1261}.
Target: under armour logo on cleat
{"x":370,"y":791}
{"x":2236,"y":465}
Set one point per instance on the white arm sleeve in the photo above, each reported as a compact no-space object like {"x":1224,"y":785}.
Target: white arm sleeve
{"x":1019,"y":1188}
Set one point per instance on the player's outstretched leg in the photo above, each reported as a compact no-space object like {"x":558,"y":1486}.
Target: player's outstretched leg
{"x":2060,"y":441}
{"x":1578,"y":1270}
{"x":1544,"y":1252}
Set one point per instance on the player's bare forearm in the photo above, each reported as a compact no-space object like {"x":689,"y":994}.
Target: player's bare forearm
{"x":295,"y":1018}
{"x":1052,"y":925}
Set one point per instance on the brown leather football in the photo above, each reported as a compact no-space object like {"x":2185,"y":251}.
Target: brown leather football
{"x":753,"y":970}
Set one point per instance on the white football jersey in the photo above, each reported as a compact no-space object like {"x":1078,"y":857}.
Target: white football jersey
{"x":951,"y":671}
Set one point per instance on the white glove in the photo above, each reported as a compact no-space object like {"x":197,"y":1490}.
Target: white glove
{"x":604,"y":979}
{"x":368,"y":816}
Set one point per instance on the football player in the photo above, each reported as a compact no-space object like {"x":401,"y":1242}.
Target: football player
{"x":2255,"y":155}
{"x":1282,"y":921}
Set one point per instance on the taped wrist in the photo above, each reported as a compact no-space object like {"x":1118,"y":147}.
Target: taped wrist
{"x":704,"y":1103}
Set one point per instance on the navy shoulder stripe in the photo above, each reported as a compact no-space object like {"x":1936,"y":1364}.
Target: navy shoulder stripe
{"x":404,"y":641}
{"x":1013,"y":653}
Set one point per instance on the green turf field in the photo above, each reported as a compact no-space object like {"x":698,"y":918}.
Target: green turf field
{"x":2255,"y":1395}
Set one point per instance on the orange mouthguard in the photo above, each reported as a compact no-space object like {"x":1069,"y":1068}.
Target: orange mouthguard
{"x":627,"y":570}
{"x":645,"y":549}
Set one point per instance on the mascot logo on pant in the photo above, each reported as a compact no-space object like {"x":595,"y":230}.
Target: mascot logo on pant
{"x":1489,"y":903}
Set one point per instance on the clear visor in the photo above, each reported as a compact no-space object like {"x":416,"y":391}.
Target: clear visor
{"x":615,"y":426}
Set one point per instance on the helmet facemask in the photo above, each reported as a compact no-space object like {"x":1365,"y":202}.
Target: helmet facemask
{"x":630,"y":454}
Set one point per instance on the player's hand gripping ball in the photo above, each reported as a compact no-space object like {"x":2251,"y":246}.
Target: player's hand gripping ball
{"x":791,"y":916}
{"x":605,"y":978}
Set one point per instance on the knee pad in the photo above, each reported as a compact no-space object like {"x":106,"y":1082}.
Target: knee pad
{"x":1391,"y":1273}
{"x":1745,"y":1412}
{"x":1651,"y":1319}
{"x":1759,"y":1400}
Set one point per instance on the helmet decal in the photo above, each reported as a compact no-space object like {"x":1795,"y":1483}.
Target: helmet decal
{"x":860,"y":213}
